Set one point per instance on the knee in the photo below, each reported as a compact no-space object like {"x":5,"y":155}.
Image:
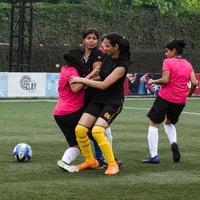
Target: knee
{"x":81,"y":131}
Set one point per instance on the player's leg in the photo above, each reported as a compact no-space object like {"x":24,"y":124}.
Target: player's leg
{"x":84,"y":142}
{"x":107,"y":115}
{"x":67,"y":124}
{"x":152,"y":138}
{"x":156,"y":116}
{"x":171,"y":119}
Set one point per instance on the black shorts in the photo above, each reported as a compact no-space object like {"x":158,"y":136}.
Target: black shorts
{"x":162,"y":107}
{"x":108,"y":112}
{"x":67,"y":124}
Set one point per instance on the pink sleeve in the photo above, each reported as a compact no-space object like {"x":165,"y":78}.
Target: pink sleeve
{"x":73,"y":72}
{"x":70,"y":71}
{"x":165,"y":66}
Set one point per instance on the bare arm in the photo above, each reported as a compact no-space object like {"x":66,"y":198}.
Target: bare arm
{"x":76,"y":87}
{"x":163,"y":80}
{"x":102,"y":85}
{"x":194,"y":84}
{"x":95,"y":72}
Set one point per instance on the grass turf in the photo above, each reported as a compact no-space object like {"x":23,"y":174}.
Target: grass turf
{"x":32,"y":123}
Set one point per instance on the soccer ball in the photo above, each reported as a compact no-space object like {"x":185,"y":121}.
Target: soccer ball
{"x":22,"y":152}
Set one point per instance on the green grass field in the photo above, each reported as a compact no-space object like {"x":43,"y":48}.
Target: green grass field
{"x":32,"y":123}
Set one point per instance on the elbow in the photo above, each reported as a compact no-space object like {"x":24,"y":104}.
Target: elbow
{"x":103,"y":87}
{"x":196,"y":83}
{"x":165,"y":81}
{"x":75,"y":90}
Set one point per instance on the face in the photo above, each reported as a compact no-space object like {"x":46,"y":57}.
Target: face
{"x":170,"y":53}
{"x":90,"y":41}
{"x":108,"y":48}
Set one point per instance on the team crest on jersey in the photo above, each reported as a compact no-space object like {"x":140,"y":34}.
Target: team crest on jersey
{"x":107,"y":115}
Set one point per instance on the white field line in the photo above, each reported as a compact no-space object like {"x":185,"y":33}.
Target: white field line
{"x":136,"y":108}
{"x":27,"y":100}
{"x":129,"y":99}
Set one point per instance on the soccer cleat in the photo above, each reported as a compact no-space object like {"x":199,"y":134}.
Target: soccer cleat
{"x":102,"y":163}
{"x":119,"y":162}
{"x":175,"y":152}
{"x":154,"y":160}
{"x":93,"y":164}
{"x":66,"y":167}
{"x":112,"y":170}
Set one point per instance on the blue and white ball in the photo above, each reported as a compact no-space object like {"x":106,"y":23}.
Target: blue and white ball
{"x":22,"y":152}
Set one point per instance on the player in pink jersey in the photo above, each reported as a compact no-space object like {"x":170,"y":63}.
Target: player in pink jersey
{"x":69,"y":107}
{"x":177,"y":72}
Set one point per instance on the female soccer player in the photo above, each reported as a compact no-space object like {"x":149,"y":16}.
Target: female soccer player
{"x":90,"y":56}
{"x":105,"y":105}
{"x":69,"y":107}
{"x":171,"y":99}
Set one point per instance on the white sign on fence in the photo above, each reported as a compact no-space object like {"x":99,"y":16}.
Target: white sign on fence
{"x":26,"y":84}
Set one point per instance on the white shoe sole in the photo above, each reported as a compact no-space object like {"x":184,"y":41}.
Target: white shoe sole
{"x":69,"y":168}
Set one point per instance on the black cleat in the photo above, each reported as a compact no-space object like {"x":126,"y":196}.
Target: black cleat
{"x":175,"y":152}
{"x":103,"y":163}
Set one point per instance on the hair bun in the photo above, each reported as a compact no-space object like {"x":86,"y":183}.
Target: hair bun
{"x":181,"y":43}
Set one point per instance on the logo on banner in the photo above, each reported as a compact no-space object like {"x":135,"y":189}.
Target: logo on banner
{"x":26,"y":83}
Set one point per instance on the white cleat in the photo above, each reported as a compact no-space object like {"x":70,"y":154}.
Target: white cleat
{"x":66,"y":167}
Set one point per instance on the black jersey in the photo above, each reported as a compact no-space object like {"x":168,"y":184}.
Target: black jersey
{"x":95,"y":56}
{"x":115,"y":93}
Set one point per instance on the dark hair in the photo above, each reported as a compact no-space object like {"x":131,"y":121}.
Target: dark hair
{"x":124,"y":47}
{"x":90,"y":31}
{"x":177,"y":44}
{"x":74,"y":58}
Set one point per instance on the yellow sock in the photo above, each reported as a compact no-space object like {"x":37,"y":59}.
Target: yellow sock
{"x":84,"y":142}
{"x":104,"y":145}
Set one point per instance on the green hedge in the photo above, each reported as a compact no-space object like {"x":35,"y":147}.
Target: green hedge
{"x":59,"y":27}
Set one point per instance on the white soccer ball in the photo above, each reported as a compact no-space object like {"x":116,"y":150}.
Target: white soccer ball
{"x":22,"y":152}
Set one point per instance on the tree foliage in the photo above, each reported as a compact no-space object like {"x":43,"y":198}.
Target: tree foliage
{"x":164,"y":6}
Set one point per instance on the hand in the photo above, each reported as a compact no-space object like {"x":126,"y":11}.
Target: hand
{"x":151,"y":81}
{"x":75,"y":79}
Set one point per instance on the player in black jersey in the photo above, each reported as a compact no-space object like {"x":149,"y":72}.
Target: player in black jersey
{"x":92,"y":58}
{"x":106,"y":104}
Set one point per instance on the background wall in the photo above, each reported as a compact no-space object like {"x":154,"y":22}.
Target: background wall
{"x":58,"y":27}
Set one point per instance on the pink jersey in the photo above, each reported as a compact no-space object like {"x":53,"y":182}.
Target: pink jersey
{"x":177,"y":88}
{"x":68,"y":101}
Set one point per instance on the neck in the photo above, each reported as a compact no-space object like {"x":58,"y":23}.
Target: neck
{"x":115,"y":55}
{"x":87,"y":52}
{"x":177,"y":56}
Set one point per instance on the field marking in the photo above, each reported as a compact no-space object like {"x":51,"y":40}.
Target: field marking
{"x":26,"y":100}
{"x":131,"y":108}
{"x":152,"y":98}
{"x":136,"y":108}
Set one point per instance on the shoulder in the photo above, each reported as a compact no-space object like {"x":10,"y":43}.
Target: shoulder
{"x":168,"y":60}
{"x":123,"y":63}
{"x":69,"y":70}
{"x":96,"y":52}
